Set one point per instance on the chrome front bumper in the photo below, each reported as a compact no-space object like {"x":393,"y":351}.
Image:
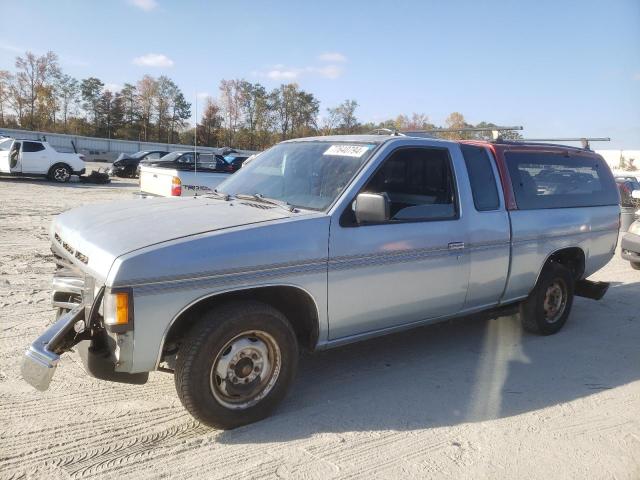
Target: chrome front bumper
{"x":41,"y":359}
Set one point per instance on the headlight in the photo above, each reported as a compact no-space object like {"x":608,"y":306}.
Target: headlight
{"x":118,"y":310}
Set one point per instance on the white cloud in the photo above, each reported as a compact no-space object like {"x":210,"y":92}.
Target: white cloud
{"x":146,"y":5}
{"x":333,"y":57}
{"x":11,"y":48}
{"x":330,"y":71}
{"x":153,"y":60}
{"x":283,"y":74}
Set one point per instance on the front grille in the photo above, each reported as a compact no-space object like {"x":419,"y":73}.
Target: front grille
{"x":71,"y":286}
{"x":83,"y":258}
{"x":68,"y":248}
{"x":72,"y":251}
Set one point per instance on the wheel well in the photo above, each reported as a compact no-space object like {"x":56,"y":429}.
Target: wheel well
{"x":294,"y":303}
{"x":573,"y":258}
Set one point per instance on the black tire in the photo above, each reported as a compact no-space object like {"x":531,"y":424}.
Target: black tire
{"x":60,"y":173}
{"x":635,"y":265}
{"x":540,"y":313}
{"x":203,"y":392}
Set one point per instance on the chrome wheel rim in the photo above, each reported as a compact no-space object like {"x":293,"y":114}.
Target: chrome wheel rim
{"x":245,"y":370}
{"x":61,"y":174}
{"x":555,"y":300}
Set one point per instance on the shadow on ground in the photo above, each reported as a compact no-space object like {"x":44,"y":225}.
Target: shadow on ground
{"x":460,"y":371}
{"x":115,"y":182}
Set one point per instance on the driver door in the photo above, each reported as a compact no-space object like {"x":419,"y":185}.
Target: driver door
{"x":5,"y":149}
{"x":10,"y":159}
{"x":410,"y":268}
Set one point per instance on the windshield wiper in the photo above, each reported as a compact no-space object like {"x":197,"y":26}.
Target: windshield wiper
{"x":258,"y":197}
{"x":221,"y":195}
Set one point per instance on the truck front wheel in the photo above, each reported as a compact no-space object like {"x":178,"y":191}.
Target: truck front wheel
{"x":235,"y":366}
{"x":546,"y":309}
{"x":635,"y":265}
{"x":60,"y":173}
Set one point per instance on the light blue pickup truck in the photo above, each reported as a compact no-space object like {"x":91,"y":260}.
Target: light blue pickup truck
{"x":320,"y":242}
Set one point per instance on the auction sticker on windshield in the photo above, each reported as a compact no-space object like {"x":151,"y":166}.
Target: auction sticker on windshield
{"x":347,"y":150}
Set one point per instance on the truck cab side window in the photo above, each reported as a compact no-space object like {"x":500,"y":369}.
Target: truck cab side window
{"x":481,"y":177}
{"x":32,"y":147}
{"x":419,"y":183}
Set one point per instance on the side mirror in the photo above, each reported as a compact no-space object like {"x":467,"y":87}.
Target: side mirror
{"x":372,"y":208}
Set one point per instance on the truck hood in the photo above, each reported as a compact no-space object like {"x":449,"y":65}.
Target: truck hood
{"x":95,"y":235}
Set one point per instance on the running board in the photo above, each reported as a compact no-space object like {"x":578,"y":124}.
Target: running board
{"x":589,"y":289}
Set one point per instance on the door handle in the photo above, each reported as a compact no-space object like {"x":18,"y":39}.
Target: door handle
{"x":456,"y":246}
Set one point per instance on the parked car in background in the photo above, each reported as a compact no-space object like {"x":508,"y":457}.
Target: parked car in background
{"x":317,"y":243}
{"x":235,"y":160}
{"x":635,"y":183}
{"x":180,"y":174}
{"x":630,"y":245}
{"x":629,"y":191}
{"x":632,"y":176}
{"x":36,"y":157}
{"x":126,"y":166}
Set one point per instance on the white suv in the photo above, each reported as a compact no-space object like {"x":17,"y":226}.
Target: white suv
{"x":35,"y":157}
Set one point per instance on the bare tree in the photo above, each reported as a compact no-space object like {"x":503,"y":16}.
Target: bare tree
{"x":147,"y":90}
{"x":5,"y":93}
{"x":68,"y":92}
{"x":417,"y":121}
{"x":91,"y":89}
{"x":343,"y":117}
{"x":230,"y":105}
{"x":211,"y":124}
{"x":254,"y":110}
{"x":34,"y":75}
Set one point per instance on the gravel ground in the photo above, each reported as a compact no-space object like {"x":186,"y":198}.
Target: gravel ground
{"x":464,"y":399}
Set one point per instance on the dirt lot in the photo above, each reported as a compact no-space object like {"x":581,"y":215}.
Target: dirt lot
{"x":464,"y":399}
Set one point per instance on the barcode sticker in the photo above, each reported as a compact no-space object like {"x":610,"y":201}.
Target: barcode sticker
{"x":347,"y":150}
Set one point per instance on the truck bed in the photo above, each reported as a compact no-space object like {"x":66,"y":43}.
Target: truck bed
{"x":164,"y":182}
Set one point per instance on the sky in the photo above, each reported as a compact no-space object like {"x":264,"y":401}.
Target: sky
{"x":558,"y":68}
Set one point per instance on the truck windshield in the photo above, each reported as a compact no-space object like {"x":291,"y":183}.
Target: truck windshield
{"x":308,"y":175}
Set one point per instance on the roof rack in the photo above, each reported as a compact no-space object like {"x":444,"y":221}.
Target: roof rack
{"x":386,"y":131}
{"x":583,"y":140}
{"x":494,"y":129}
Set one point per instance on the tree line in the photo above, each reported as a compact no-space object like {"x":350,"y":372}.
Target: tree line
{"x":38,"y":95}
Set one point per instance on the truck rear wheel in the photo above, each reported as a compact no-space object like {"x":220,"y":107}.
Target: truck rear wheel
{"x":547,"y":308}
{"x":236,"y":365}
